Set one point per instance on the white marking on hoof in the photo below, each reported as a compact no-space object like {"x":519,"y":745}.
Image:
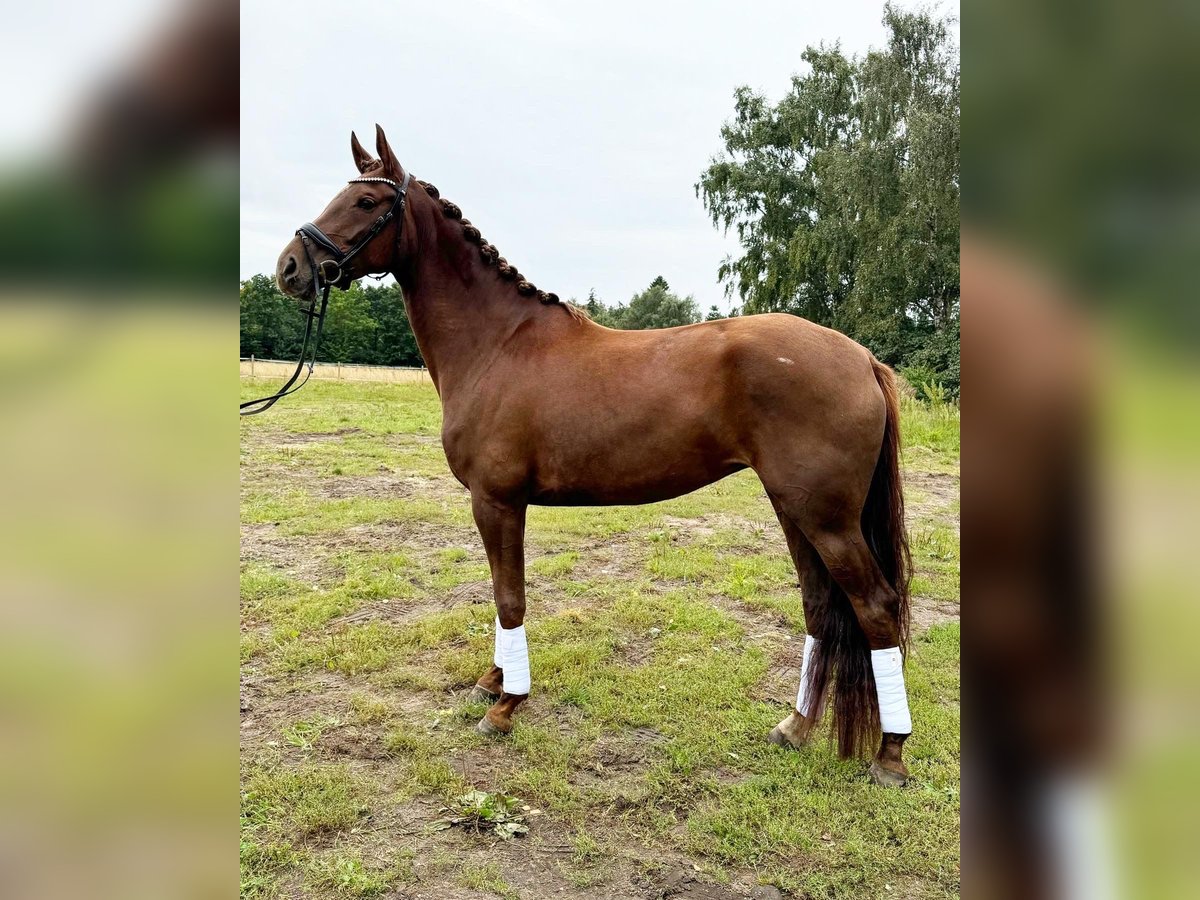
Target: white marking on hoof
{"x":786,"y":361}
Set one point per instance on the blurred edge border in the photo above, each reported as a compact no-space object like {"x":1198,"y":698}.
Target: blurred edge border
{"x":1082,"y":217}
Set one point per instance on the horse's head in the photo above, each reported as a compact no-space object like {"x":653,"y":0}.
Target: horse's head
{"x":357,"y":233}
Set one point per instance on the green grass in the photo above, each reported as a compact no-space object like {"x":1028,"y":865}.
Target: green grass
{"x":347,"y":875}
{"x":935,"y":562}
{"x":654,"y":632}
{"x":302,"y":801}
{"x":486,"y":878}
{"x":930,"y":435}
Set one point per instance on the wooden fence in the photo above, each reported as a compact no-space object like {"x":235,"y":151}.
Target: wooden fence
{"x":274,"y":368}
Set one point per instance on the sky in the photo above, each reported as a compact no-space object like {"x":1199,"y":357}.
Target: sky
{"x":571,"y":134}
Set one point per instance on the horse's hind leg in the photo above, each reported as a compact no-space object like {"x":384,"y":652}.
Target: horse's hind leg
{"x":815,"y":585}
{"x":854,"y":615}
{"x":876,"y":606}
{"x":502,"y":527}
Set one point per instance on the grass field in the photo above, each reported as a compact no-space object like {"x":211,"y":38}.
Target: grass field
{"x":665,"y":643}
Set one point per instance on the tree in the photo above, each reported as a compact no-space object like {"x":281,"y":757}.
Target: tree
{"x":349,"y":334}
{"x":598,"y":311}
{"x":366,"y":325}
{"x":395,"y":344}
{"x":657,"y":307}
{"x":845,"y":194}
{"x":272,"y":324}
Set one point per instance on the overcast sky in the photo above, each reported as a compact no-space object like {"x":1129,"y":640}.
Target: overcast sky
{"x":571,"y":134}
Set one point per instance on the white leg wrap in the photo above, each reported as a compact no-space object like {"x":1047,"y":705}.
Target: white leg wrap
{"x":888,"y":666}
{"x":514,"y":660}
{"x":1079,"y":818}
{"x":496,"y":651}
{"x":804,"y":698}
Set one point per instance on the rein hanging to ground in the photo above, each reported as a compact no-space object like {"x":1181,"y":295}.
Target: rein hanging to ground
{"x":323,"y":281}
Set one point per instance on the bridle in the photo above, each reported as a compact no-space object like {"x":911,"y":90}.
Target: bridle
{"x":323,"y":279}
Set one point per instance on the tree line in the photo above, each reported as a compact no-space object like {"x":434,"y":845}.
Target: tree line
{"x":844,"y":197}
{"x":364,"y":324}
{"x":369,"y":324}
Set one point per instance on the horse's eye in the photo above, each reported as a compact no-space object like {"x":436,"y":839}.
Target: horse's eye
{"x":366,"y":203}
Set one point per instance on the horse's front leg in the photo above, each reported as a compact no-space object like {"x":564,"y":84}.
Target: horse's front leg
{"x":502,"y":527}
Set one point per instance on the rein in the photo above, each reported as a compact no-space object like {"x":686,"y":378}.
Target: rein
{"x":323,"y":281}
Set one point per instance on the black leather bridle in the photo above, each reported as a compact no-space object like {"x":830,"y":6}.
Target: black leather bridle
{"x":324,"y":278}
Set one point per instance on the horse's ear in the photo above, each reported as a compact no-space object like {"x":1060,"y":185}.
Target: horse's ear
{"x":362,"y":158}
{"x":390,"y":165}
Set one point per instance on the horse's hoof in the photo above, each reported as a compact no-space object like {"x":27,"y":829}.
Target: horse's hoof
{"x":480,"y":694}
{"x":887,"y":777}
{"x":485,"y":726}
{"x":779,"y":739}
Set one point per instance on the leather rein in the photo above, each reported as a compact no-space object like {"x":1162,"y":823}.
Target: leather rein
{"x":323,"y":279}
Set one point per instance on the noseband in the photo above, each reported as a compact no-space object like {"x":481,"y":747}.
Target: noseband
{"x":325,"y":274}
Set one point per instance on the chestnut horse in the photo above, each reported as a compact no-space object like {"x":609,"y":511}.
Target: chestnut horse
{"x":543,"y":406}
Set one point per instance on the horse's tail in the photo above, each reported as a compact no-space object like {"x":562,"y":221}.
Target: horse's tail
{"x":883,"y":514}
{"x":842,"y":661}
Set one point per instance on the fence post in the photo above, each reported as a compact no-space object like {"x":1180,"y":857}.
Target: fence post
{"x":339,"y":370}
{"x":251,"y":365}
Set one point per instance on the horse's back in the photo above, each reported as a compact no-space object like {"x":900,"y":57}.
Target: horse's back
{"x":597,"y":415}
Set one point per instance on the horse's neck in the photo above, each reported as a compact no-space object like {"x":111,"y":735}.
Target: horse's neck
{"x":461,"y":312}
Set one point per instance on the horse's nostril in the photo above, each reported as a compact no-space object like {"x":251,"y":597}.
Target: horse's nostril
{"x":290,"y":269}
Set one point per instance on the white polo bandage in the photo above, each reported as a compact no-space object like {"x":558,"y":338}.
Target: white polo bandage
{"x":804,"y":698}
{"x":496,"y":651}
{"x":514,"y":660}
{"x":888,"y":666}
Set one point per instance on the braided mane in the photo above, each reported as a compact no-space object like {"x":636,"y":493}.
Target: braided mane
{"x":491,"y":256}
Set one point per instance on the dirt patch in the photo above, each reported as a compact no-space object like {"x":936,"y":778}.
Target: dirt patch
{"x":763,"y":627}
{"x":941,"y":492}
{"x":636,"y":651}
{"x":305,"y":561}
{"x":470,"y":592}
{"x":616,"y":764}
{"x":683,"y":880}
{"x":565,"y":719}
{"x":611,"y":558}
{"x":690,"y":527}
{"x":249,"y":690}
{"x":622,"y":752}
{"x":927,"y":612}
{"x":384,"y":485}
{"x":355,"y":742}
{"x":392,"y":611}
{"x":387,"y":537}
{"x":311,"y":437}
{"x":694,"y":531}
{"x":403,"y":440}
{"x":782,"y":680}
{"x":398,"y":611}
